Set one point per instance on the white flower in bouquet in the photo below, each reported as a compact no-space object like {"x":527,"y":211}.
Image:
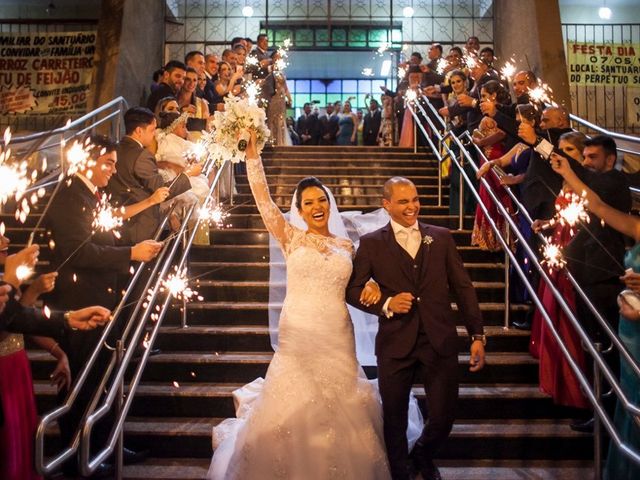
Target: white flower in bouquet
{"x":229,"y":136}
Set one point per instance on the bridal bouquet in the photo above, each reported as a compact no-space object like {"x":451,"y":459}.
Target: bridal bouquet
{"x":229,"y":136}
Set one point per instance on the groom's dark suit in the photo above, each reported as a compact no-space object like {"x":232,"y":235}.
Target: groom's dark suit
{"x":425,"y":336}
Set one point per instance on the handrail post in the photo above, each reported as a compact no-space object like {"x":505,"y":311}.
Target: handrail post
{"x":415,"y":136}
{"x":507,"y":278}
{"x":597,"y":427}
{"x":231,"y":173}
{"x":461,"y":194}
{"x":119,"y":405}
{"x":439,"y":164}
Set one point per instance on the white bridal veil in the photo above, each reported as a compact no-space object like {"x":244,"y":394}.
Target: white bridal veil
{"x":346,"y":225}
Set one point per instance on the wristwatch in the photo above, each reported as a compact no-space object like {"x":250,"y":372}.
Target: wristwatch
{"x":481,"y":338}
{"x":67,"y":318}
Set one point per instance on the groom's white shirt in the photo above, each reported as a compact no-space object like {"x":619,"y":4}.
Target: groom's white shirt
{"x":409,"y":239}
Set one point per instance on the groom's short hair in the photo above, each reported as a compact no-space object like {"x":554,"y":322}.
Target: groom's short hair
{"x":387,"y":190}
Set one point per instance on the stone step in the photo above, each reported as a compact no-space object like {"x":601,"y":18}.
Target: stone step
{"x":255,"y":338}
{"x":244,"y":367}
{"x":548,"y":439}
{"x":255,"y":313}
{"x":458,"y":469}
{"x":257,"y":253}
{"x":238,"y":291}
{"x":260,"y":270}
{"x":364,"y":159}
{"x":373,"y":187}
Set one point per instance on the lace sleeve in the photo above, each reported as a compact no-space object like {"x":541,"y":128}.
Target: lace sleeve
{"x":271,"y":215}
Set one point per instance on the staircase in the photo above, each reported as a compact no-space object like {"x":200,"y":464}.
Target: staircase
{"x":506,"y":429}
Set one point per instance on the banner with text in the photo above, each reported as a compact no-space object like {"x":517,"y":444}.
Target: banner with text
{"x":613,"y":64}
{"x":45,"y":73}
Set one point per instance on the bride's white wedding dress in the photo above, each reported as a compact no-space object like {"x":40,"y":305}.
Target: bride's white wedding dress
{"x":315,"y":415}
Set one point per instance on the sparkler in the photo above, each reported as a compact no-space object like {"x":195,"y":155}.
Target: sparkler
{"x":402,"y":72}
{"x":253,"y":92}
{"x":411,"y":95}
{"x":177,"y":285}
{"x":23,"y":272}
{"x":213,"y":214}
{"x":573,"y":210}
{"x":541,"y":94}
{"x":442,"y":66}
{"x":79,"y":158}
{"x":508,"y":70}
{"x":383,"y":48}
{"x":105,"y":217}
{"x":552,"y":256}
{"x":367,"y":72}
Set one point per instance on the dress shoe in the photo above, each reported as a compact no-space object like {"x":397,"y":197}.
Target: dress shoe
{"x":584,"y":426}
{"x":131,"y":457}
{"x":424,"y":464}
{"x":522,"y":324}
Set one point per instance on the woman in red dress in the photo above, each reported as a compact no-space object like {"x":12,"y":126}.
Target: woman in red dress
{"x":556,"y":377}
{"x":490,"y":139}
{"x":17,"y":401}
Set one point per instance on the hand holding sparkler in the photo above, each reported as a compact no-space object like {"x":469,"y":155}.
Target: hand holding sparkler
{"x":527,"y":133}
{"x":145,"y":250}
{"x":159,"y":196}
{"x":87,"y":318}
{"x":465,"y":100}
{"x":19,"y":266}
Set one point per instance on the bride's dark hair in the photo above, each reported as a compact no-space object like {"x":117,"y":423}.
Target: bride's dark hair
{"x":307,"y":183}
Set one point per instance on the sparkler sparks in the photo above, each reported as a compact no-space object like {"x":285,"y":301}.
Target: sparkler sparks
{"x":367,"y":72}
{"x":552,"y":257}
{"x":78,"y":157}
{"x":213,"y":214}
{"x":573,"y":209}
{"x":411,"y":95}
{"x":402,"y":72}
{"x":23,"y":272}
{"x":177,"y":285}
{"x":383,"y":48}
{"x":105,"y":219}
{"x":443,"y":63}
{"x":253,"y":92}
{"x":508,"y":70}
{"x":541,"y":94}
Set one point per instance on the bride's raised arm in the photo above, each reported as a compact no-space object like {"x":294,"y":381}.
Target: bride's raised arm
{"x":271,"y":215}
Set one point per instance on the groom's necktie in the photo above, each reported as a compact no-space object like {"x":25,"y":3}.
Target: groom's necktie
{"x":409,"y":239}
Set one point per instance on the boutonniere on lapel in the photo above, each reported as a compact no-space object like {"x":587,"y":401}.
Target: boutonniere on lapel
{"x":427,"y":240}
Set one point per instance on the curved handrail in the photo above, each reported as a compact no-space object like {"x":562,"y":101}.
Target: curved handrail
{"x":601,"y":364}
{"x":615,"y":135}
{"x":116,"y":102}
{"x":88,"y":464}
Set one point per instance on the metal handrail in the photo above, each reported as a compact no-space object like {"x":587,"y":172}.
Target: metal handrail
{"x":615,"y":135}
{"x":578,"y":289}
{"x":118,"y":102}
{"x":88,"y":464}
{"x":595,"y":353}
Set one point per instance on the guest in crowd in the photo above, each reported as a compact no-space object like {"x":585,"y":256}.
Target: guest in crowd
{"x":137,"y":176}
{"x":277,"y":106}
{"x":371,"y":124}
{"x":307,"y":126}
{"x":557,"y":379}
{"x":157,"y":76}
{"x":190,"y":102}
{"x":326,"y":127}
{"x":347,"y":124}
{"x":360,"y":127}
{"x":172,"y":81}
{"x":295,"y":138}
{"x":618,"y":465}
{"x":385,"y":134}
{"x":226,"y":84}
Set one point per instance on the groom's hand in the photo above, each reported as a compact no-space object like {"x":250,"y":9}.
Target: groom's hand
{"x":476,"y":359}
{"x":401,"y":303}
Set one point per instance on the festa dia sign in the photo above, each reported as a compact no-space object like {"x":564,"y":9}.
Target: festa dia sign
{"x":612,"y":64}
{"x":45,"y":73}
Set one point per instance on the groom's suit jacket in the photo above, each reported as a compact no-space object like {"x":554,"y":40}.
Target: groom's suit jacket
{"x":436,"y":270}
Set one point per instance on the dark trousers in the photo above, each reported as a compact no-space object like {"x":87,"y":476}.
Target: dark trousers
{"x":395,"y":378}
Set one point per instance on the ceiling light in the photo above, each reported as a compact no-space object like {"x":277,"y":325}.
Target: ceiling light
{"x":247,"y":11}
{"x":407,"y":12}
{"x":386,"y":68}
{"x":604,"y":13}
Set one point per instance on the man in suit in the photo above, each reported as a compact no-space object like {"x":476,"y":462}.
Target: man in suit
{"x":417,"y":266}
{"x":260,"y":67}
{"x":172,"y":81}
{"x":138,"y":177}
{"x":89,"y":263}
{"x":307,"y":126}
{"x":371,"y":125}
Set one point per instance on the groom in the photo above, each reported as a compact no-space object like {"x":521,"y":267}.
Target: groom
{"x":416,"y":266}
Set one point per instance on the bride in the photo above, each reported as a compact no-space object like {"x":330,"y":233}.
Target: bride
{"x":315,"y":415}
